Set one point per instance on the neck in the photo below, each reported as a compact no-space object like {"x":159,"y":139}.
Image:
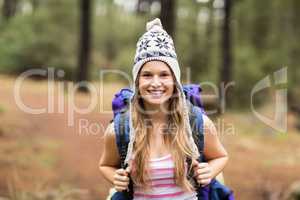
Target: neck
{"x":157,"y":114}
{"x":158,"y":117}
{"x":159,"y":122}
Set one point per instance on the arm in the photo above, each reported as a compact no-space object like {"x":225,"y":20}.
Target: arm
{"x":110,"y":161}
{"x":214,"y":152}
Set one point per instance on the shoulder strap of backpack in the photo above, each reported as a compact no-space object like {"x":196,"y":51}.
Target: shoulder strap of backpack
{"x":121,"y":125}
{"x":196,"y":123}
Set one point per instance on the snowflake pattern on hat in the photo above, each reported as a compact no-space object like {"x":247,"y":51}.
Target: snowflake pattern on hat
{"x":162,"y":43}
{"x":155,"y":43}
{"x":144,"y":45}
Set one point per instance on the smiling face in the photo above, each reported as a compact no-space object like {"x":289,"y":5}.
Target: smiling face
{"x":155,"y":83}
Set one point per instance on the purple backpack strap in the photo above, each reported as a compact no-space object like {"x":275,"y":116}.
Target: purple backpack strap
{"x":192,"y":93}
{"x":121,"y":100}
{"x":203,"y":193}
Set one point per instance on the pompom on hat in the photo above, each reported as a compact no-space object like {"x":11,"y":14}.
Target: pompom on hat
{"x":156,"y":44}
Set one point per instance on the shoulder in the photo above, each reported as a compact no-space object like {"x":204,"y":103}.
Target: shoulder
{"x":209,"y":126}
{"x":110,"y":155}
{"x":110,"y":130}
{"x":109,"y":134}
{"x":207,"y":122}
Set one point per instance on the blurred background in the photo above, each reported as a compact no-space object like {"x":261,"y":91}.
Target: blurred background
{"x":238,"y":42}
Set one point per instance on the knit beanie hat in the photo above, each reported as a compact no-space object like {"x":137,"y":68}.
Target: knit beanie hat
{"x":156,"y":44}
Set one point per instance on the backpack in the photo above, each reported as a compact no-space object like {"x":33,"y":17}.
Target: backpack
{"x":215,"y":190}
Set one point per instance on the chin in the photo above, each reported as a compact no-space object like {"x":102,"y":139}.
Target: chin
{"x":156,"y":102}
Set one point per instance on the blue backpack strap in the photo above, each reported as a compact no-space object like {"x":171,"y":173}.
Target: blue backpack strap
{"x":218,"y":191}
{"x":196,"y":123}
{"x":197,"y":126}
{"x":121,"y":125}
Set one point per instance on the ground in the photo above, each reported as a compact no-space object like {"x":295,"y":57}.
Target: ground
{"x":41,"y":157}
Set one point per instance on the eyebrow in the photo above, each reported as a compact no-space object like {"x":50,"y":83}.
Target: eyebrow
{"x":164,"y":71}
{"x":145,"y":72}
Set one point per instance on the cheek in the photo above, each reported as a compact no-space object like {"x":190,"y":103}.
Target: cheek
{"x":142,"y":86}
{"x":171,"y":91}
{"x":171,"y":87}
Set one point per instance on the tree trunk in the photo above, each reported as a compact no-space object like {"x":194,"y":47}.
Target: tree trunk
{"x":143,"y":6}
{"x":110,"y":45}
{"x":195,"y":56}
{"x":226,"y":67}
{"x":85,"y":41}
{"x":9,"y":8}
{"x":209,"y":33}
{"x":168,"y":16}
{"x":35,"y":4}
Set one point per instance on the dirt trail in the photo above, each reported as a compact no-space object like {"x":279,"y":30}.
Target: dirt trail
{"x":79,"y":150}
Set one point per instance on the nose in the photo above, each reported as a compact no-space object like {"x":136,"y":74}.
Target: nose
{"x":156,"y":81}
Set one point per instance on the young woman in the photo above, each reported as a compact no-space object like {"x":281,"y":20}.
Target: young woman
{"x":160,"y":134}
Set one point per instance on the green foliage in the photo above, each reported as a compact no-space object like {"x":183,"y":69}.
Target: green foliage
{"x":263,"y":42}
{"x":15,"y":41}
{"x":191,"y":41}
{"x":45,"y":38}
{"x":115,"y":35}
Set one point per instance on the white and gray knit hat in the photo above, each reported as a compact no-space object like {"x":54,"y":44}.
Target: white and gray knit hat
{"x":156,"y":44}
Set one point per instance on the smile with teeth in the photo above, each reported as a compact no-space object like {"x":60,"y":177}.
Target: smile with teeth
{"x":156,"y":93}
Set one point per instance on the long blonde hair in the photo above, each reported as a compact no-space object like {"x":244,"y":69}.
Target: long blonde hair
{"x":176,"y":141}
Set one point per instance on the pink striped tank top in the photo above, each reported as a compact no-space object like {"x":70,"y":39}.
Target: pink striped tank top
{"x":163,"y":183}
